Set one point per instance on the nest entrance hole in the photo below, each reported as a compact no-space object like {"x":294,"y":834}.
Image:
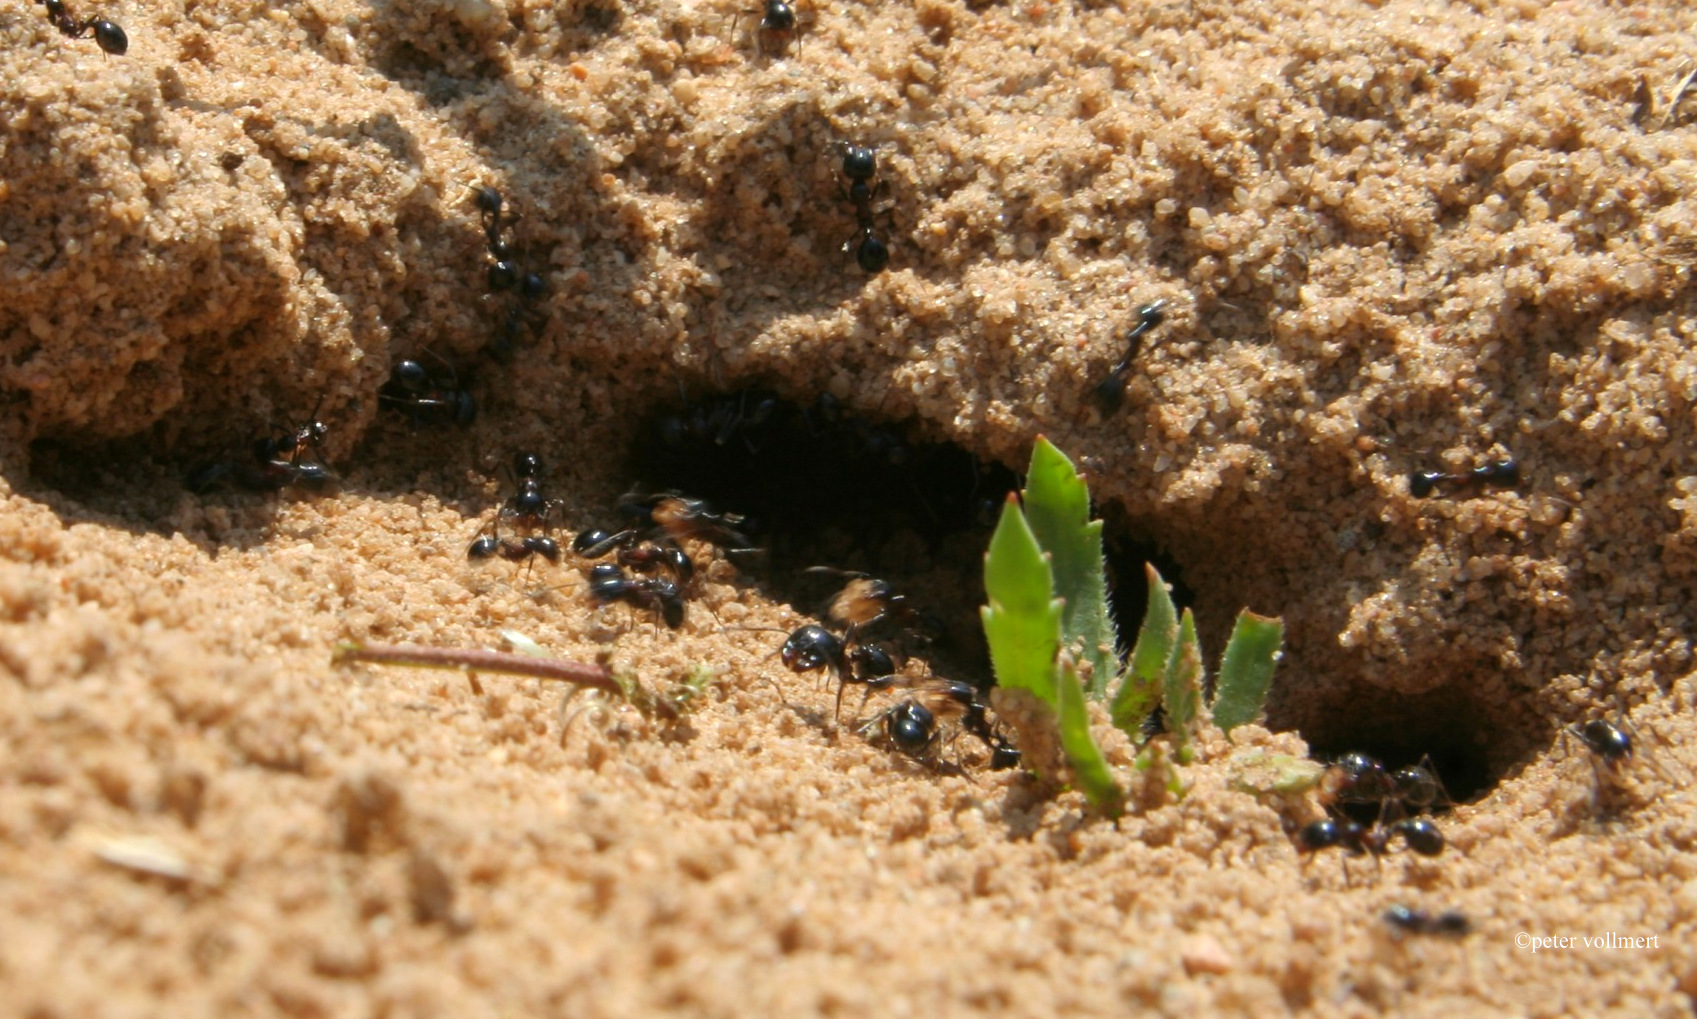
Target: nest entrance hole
{"x":821,"y":486}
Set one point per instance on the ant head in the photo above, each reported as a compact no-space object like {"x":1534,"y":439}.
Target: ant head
{"x":860,"y":162}
{"x":488,"y":200}
{"x":411,"y":376}
{"x":1421,"y":483}
{"x":527,"y":465}
{"x":779,"y":17}
{"x":811,"y":647}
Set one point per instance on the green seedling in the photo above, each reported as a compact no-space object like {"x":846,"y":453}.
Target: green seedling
{"x":1048,"y":620}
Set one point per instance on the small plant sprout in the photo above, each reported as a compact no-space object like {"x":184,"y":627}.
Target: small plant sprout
{"x":1048,"y":624}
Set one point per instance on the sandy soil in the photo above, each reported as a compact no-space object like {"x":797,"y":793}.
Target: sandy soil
{"x":1395,"y":236}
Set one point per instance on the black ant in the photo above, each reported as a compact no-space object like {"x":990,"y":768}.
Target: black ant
{"x":1418,"y":834}
{"x":107,"y":35}
{"x":914,"y":726}
{"x":717,"y":420}
{"x":1612,"y":748}
{"x":1110,"y":392}
{"x":777,"y":19}
{"x":608,"y":583}
{"x":514,"y":550}
{"x":504,"y":271}
{"x":422,"y":393}
{"x":860,"y":166}
{"x":528,"y":508}
{"x":650,"y":555}
{"x":1449,"y":924}
{"x":1611,"y":745}
{"x":846,"y":659}
{"x":632,"y":551}
{"x":1491,"y":474}
{"x":278,"y":462}
{"x":1360,"y":779}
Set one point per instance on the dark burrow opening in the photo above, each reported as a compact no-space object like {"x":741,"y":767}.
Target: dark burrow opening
{"x":1399,"y":730}
{"x":821,"y":486}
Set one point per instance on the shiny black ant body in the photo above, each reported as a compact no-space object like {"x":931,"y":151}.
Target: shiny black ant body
{"x":1491,"y":474}
{"x":505,"y":273}
{"x":1356,"y":778}
{"x":527,"y":506}
{"x":608,"y":583}
{"x":528,"y":509}
{"x":847,"y":660}
{"x":293,"y":459}
{"x":651,"y":555}
{"x":717,"y":420}
{"x":107,"y":35}
{"x":1612,"y":748}
{"x":1611,"y":745}
{"x":425,"y":395}
{"x":860,"y":166}
{"x":1418,"y":834}
{"x":514,"y":550}
{"x":914,"y":726}
{"x":777,"y":20}
{"x":1449,"y":924}
{"x":1110,"y":392}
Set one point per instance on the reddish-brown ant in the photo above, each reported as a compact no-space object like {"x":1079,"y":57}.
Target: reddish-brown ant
{"x":681,"y":519}
{"x":1359,"y":779}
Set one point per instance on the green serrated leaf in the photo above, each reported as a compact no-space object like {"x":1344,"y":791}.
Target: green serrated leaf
{"x":1089,"y":766}
{"x":1140,"y":689}
{"x":1246,"y":669}
{"x":1182,"y":689}
{"x":1057,"y":506}
{"x":1022,"y":621}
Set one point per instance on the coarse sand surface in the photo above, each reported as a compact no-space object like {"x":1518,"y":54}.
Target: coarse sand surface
{"x":1391,"y":237}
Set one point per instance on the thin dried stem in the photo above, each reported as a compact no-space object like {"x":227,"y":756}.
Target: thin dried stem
{"x":477,"y":660}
